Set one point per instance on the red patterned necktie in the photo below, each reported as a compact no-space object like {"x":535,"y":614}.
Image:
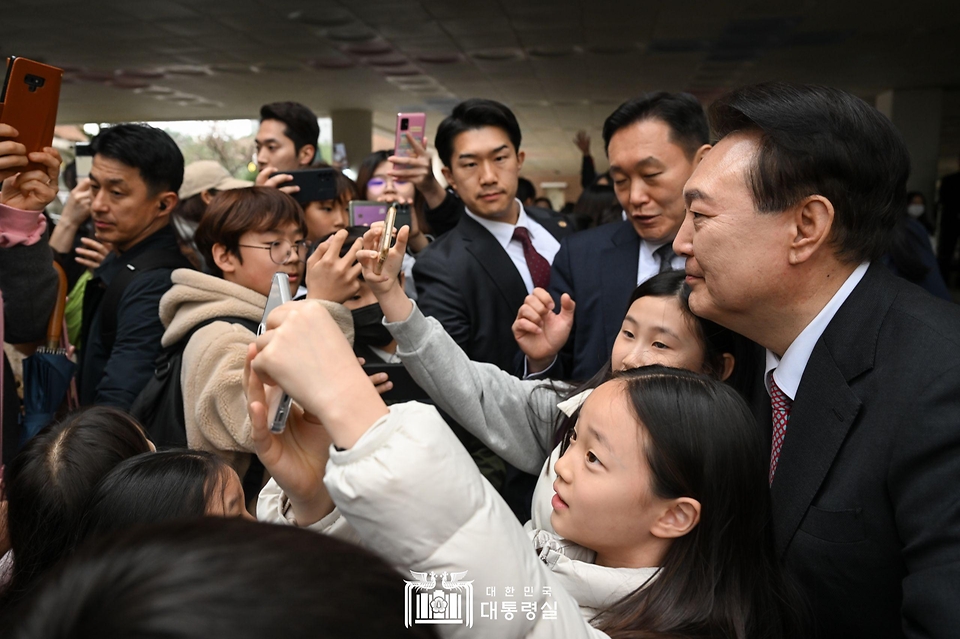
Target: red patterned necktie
{"x":780,"y":405}
{"x":538,"y":264}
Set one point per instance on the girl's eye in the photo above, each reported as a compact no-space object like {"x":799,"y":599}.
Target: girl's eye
{"x":591,"y":458}
{"x":660,"y":345}
{"x":627,"y":334}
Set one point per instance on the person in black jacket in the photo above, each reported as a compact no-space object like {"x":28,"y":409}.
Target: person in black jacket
{"x":137,"y":171}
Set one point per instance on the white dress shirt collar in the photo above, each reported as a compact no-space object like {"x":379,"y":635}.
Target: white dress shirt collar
{"x":789,"y":368}
{"x":648,"y":264}
{"x":503,"y":231}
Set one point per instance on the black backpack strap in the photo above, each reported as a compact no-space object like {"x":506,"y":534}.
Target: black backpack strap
{"x":147,"y":261}
{"x":249,"y":324}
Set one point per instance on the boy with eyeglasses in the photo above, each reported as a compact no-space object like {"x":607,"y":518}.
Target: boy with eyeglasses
{"x":245,"y":236}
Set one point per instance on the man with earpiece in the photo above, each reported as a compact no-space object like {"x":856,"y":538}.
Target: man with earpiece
{"x":137,"y":171}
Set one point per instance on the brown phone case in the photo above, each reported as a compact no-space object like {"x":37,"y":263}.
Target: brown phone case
{"x":28,"y":103}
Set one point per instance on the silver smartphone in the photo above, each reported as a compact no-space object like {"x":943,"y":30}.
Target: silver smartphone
{"x":279,"y":294}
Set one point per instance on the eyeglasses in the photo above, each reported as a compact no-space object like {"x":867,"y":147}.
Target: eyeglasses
{"x":379,"y":183}
{"x":281,"y":250}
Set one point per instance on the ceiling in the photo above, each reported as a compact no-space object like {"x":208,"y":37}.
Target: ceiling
{"x":562,"y":65}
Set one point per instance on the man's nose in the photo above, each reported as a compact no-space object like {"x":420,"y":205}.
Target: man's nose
{"x":683,"y":243}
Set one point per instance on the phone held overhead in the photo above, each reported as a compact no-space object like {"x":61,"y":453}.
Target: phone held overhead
{"x":28,"y":103}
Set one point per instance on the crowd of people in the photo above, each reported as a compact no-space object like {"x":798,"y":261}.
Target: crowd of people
{"x":718,"y":397}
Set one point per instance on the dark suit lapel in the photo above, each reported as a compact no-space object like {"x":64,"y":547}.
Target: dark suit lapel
{"x":819,"y":420}
{"x":493,"y":260}
{"x":618,"y":278}
{"x":556,"y":224}
{"x":826,"y":407}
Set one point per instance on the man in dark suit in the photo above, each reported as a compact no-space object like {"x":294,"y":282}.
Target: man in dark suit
{"x":860,"y":396}
{"x":653,"y":143}
{"x":475,"y":277}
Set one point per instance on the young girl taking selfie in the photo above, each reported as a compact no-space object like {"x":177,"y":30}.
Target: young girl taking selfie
{"x":660,"y":505}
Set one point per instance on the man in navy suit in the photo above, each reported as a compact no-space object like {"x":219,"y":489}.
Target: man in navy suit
{"x":653,"y":143}
{"x":859,"y":399}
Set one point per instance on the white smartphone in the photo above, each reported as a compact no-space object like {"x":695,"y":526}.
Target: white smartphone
{"x":279,"y":295}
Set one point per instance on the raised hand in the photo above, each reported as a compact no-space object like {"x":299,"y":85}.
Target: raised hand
{"x":388,"y":278}
{"x":331,"y":277}
{"x":295,"y":458}
{"x":304,"y":352}
{"x":270,"y":177}
{"x":32,"y":190}
{"x":13,"y":155}
{"x":418,"y":170}
{"x":582,"y":140}
{"x":92,"y":253}
{"x":539,"y":331}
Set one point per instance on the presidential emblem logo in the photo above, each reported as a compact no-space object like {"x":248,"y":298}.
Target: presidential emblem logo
{"x":450,"y":602}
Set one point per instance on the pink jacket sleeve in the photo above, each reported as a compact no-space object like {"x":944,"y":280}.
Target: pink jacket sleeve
{"x":20,"y":227}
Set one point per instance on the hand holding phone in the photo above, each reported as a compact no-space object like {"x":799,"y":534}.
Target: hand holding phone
{"x":386,"y":238}
{"x":28,"y":103}
{"x":33,"y":189}
{"x":409,"y":126}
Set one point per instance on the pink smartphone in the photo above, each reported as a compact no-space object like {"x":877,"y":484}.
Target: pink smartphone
{"x":365,"y":213}
{"x":414,"y":124}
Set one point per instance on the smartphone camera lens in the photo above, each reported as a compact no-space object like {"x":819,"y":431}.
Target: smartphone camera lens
{"x":404,"y":124}
{"x":34,"y":82}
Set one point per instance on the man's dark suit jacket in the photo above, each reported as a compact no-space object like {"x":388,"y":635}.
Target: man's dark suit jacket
{"x":866,"y":498}
{"x":598,"y":269}
{"x":468,"y":282}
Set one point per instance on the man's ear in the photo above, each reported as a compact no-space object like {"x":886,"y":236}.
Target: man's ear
{"x":306,"y":155}
{"x":678,"y":518}
{"x":165,"y":203}
{"x":521,"y":156}
{"x":448,"y":176}
{"x":225,"y":260}
{"x":812,"y":220}
{"x":702,"y":151}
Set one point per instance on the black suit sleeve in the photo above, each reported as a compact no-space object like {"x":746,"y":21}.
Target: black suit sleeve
{"x":446,"y":216}
{"x":439,"y":295}
{"x":588,"y":173}
{"x":922,"y":483}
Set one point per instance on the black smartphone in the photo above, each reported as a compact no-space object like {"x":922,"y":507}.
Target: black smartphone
{"x":316,"y":185}
{"x":404,"y":388}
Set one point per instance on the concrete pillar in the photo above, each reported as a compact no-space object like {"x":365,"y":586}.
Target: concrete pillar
{"x":353,"y":128}
{"x":918,"y":114}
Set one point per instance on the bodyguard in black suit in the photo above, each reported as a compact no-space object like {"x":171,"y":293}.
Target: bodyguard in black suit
{"x":860,"y":396}
{"x":653,"y":143}
{"x":476,"y":276}
{"x":468,"y":282}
